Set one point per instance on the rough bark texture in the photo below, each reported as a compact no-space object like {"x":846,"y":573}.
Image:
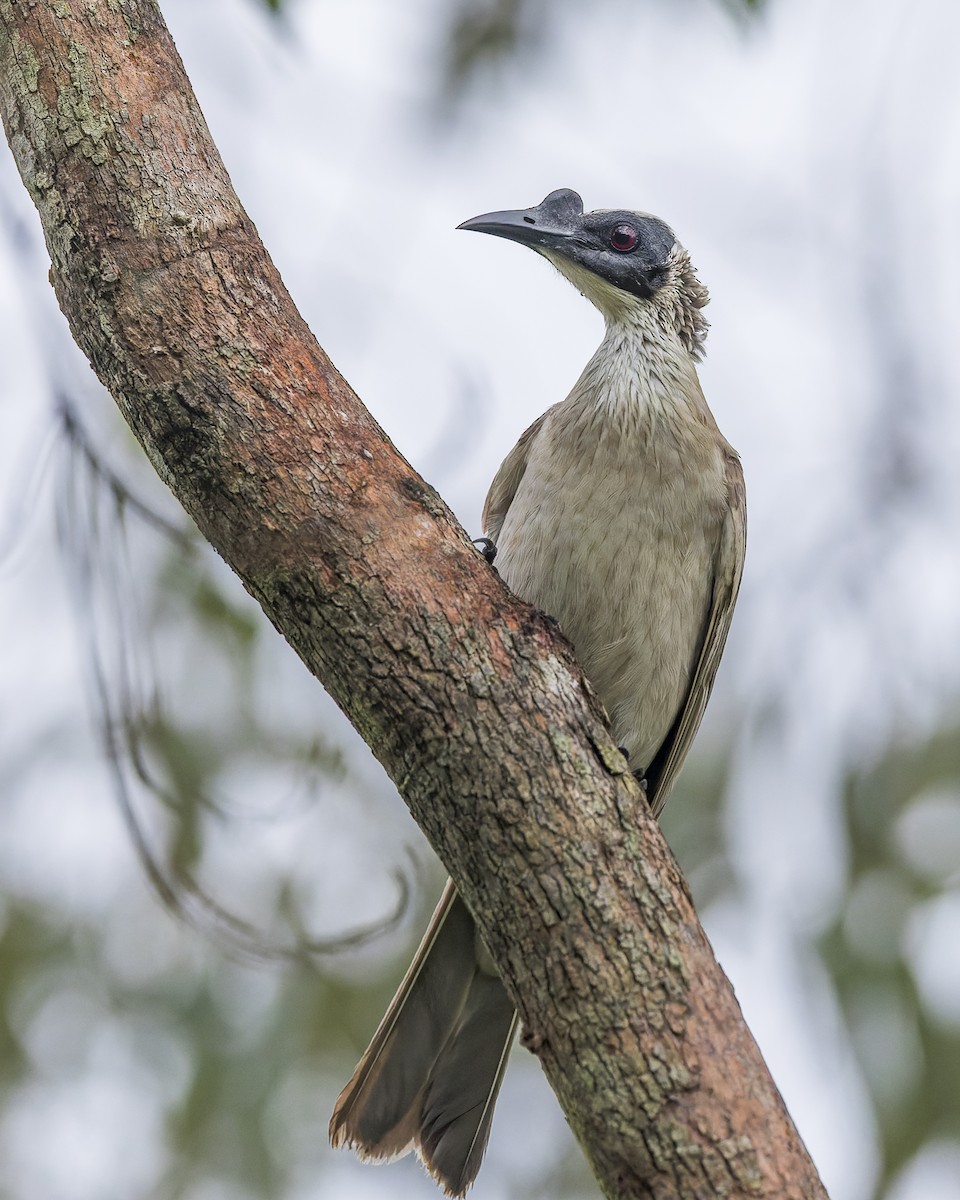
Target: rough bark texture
{"x":469,"y":699}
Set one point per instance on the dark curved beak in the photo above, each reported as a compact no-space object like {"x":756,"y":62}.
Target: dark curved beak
{"x":552,"y":222}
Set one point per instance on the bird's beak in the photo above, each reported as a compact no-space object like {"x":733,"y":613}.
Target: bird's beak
{"x":553,"y":221}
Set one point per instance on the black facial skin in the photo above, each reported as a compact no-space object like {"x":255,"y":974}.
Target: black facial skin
{"x":560,"y":225}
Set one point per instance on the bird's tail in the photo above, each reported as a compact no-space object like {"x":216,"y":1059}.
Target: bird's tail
{"x":430,"y":1076}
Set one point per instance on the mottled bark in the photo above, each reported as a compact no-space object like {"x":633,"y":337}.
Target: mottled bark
{"x":470,"y":700}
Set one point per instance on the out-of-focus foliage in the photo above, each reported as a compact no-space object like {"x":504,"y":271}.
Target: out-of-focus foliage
{"x":900,"y":914}
{"x":487,"y":34}
{"x":693,"y":823}
{"x":156,"y":613}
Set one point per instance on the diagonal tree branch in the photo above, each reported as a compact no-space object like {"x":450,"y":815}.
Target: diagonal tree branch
{"x":470,"y":699}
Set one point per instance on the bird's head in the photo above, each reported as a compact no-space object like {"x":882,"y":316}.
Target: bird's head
{"x":626,"y":263}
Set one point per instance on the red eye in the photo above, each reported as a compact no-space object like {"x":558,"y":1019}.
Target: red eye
{"x":623,"y":238}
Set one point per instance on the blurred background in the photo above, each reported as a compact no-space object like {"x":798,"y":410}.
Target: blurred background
{"x":208,"y":889}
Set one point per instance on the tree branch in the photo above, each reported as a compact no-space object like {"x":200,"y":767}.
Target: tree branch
{"x":470,"y":700}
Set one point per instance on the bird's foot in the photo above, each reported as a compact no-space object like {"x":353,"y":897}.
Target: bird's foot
{"x":642,"y":780}
{"x":486,"y":548}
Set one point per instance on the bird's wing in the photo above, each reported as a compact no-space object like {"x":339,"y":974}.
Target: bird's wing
{"x":726,"y":583}
{"x":507,"y":480}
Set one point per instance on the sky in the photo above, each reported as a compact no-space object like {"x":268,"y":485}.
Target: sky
{"x":809,"y":164}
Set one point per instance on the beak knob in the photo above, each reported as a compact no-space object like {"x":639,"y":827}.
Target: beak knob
{"x":553,"y":219}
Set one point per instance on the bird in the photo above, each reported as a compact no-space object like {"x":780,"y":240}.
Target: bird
{"x":620,"y":513}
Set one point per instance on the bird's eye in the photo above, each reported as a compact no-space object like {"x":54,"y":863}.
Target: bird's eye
{"x":623,"y":238}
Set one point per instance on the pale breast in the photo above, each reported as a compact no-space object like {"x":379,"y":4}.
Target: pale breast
{"x":613,"y":531}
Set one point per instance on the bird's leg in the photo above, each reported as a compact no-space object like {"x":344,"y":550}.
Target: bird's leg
{"x":486,"y":548}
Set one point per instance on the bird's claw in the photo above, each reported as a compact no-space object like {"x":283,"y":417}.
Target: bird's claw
{"x":486,"y":548}
{"x":642,"y":780}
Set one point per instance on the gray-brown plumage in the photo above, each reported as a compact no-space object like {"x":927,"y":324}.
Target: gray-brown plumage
{"x":621,"y":513}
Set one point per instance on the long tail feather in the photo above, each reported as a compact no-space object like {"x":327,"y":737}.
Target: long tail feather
{"x":430,"y":1076}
